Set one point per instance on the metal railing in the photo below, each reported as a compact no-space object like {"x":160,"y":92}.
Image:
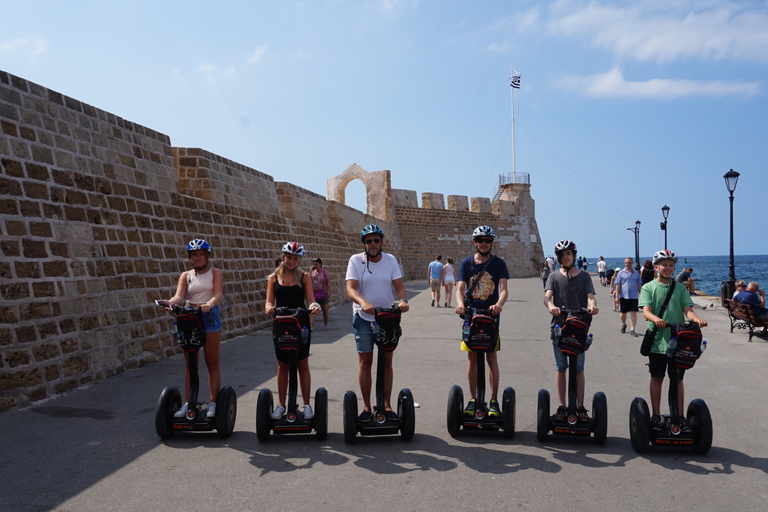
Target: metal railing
{"x":504,"y":179}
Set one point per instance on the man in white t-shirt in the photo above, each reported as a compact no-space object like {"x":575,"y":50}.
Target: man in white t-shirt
{"x":370,"y":278}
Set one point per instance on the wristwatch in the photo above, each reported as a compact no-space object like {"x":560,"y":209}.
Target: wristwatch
{"x":404,"y":300}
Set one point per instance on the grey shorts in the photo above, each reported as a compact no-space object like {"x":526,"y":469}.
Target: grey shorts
{"x":364,"y":338}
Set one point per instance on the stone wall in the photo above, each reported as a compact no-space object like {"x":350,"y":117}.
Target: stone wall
{"x":95,"y":214}
{"x":431,"y":230}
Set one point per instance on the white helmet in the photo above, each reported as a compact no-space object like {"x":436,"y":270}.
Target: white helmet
{"x":294,"y":248}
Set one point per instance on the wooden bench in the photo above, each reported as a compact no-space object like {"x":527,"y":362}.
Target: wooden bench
{"x":741,"y":317}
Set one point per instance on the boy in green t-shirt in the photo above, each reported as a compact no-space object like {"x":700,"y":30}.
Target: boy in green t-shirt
{"x":680,"y":308}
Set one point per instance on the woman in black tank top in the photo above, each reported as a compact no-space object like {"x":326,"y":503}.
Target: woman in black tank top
{"x":291,"y":287}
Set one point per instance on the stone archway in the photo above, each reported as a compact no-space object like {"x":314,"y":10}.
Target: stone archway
{"x":378,"y":190}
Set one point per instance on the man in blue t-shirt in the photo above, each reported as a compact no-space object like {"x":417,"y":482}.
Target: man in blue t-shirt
{"x":435,"y":278}
{"x":490,"y":292}
{"x":628,"y":285}
{"x":757,"y":303}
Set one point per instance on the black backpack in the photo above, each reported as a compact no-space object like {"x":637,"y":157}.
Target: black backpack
{"x":688,"y":348}
{"x":287,"y":326}
{"x":483,"y":332}
{"x":389,"y":333}
{"x":189,"y":322}
{"x":573,"y":340}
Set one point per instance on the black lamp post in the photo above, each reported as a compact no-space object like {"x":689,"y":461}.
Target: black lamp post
{"x":636,"y":231}
{"x":731,"y":179}
{"x":665,"y":213}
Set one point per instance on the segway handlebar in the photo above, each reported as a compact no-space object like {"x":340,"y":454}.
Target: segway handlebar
{"x":282,"y":311}
{"x":175,"y":308}
{"x":394,"y":309}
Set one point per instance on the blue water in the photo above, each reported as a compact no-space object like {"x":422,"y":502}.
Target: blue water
{"x":710,"y":270}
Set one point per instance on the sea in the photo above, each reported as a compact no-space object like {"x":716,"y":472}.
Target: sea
{"x":710,"y":270}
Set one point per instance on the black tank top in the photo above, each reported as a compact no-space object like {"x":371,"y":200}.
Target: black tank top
{"x":289,"y":296}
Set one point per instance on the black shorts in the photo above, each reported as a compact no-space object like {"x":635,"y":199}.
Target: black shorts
{"x":659,"y":364}
{"x":627,"y":305}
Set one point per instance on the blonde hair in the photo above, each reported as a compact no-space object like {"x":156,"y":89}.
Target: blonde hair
{"x":280,"y":271}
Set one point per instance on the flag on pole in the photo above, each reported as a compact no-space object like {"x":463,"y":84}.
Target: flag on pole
{"x":516,"y":80}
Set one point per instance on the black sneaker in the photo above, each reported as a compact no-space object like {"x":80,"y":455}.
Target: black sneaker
{"x":561,"y":413}
{"x":365,"y":416}
{"x":656,"y":423}
{"x":684,"y":426}
{"x":623,"y":329}
{"x":583,"y":416}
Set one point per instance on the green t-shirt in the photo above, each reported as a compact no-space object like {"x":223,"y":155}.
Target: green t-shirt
{"x":653,"y":294}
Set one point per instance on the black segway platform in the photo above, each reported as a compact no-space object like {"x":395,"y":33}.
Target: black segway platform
{"x":697,"y":414}
{"x":286,"y":333}
{"x":481,"y":339}
{"x":388,"y":322}
{"x":196,"y":419}
{"x":573,"y":342}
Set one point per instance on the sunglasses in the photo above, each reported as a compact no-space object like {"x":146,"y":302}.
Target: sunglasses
{"x":373,"y":241}
{"x":484,"y":240}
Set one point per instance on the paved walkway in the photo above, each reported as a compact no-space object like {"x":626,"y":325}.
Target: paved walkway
{"x":95,"y":448}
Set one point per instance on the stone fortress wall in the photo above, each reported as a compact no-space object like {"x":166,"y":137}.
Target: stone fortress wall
{"x":96,"y":211}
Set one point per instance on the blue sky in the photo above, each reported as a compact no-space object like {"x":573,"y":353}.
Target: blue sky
{"x":624,"y":106}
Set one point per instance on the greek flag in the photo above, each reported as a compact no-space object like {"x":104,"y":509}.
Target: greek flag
{"x":516,"y":80}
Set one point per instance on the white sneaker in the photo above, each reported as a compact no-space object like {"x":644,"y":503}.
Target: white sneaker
{"x":181,"y":412}
{"x":278,"y":413}
{"x":308,"y":413}
{"x":211,"y":410}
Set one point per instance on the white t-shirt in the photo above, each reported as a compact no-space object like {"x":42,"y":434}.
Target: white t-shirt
{"x":374,"y":281}
{"x":601,"y":266}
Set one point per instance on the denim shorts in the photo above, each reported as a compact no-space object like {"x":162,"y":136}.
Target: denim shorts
{"x":561,"y":360}
{"x":212,"y":320}
{"x":363,"y":334}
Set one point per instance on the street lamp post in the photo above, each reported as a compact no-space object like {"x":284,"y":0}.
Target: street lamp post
{"x":665,"y":213}
{"x":636,"y":231}
{"x":731,"y":179}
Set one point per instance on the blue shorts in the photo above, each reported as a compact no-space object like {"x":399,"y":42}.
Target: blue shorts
{"x":363,"y":334}
{"x":561,"y":360}
{"x":212,"y":320}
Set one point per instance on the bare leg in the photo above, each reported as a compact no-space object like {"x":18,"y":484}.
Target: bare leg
{"x":305,"y":380}
{"x":388,"y":376}
{"x":364,"y":377}
{"x":283,"y":369}
{"x":560,"y":385}
{"x":580,"y":382}
{"x":655,"y":390}
{"x":493,"y":368}
{"x":472,"y":374}
{"x":211,"y":351}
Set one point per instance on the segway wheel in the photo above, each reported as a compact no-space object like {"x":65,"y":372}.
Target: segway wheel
{"x":639,"y":425}
{"x":508,"y":412}
{"x":600,"y":417}
{"x":264,"y":415}
{"x":167,"y":405}
{"x":226,"y":412}
{"x":455,"y":410}
{"x":542,"y":416}
{"x":321,"y":413}
{"x":350,"y":417}
{"x":700,"y":420}
{"x":407,"y":412}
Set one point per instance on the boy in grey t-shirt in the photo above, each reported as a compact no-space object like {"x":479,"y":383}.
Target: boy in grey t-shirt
{"x":568,"y":287}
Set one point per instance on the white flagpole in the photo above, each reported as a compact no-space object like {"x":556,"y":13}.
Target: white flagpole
{"x":512,"y":93}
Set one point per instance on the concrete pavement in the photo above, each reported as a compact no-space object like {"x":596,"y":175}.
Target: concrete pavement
{"x":95,"y":448}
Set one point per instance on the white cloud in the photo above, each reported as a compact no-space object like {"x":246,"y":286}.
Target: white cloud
{"x":613,"y":85}
{"x":666,"y":32}
{"x":257,"y":54}
{"x":33,"y":47}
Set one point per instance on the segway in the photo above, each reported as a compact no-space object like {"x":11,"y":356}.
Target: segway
{"x":480,"y":335}
{"x":196,"y":418}
{"x":683,"y":355}
{"x":573,"y":341}
{"x":290,"y":329}
{"x":387,"y":330}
